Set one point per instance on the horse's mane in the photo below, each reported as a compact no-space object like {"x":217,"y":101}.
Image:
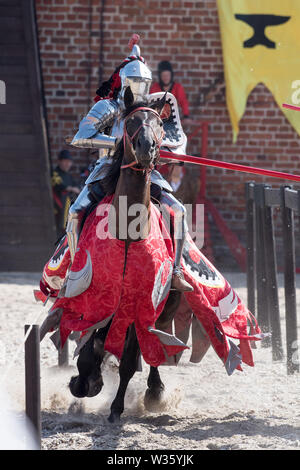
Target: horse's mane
{"x":112,"y":168}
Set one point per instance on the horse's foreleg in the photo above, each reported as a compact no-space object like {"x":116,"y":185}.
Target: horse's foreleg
{"x":89,"y":382}
{"x":79,"y":385}
{"x":154,"y":391}
{"x":165,"y":319}
{"x":154,"y":380}
{"x":156,"y":387}
{"x":128,"y":367}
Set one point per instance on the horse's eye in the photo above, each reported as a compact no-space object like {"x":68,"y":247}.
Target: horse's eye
{"x":130,"y":123}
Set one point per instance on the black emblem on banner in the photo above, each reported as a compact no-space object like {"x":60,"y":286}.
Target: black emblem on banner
{"x":259,"y":23}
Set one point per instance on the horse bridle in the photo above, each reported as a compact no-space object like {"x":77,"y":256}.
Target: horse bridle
{"x":129,"y":139}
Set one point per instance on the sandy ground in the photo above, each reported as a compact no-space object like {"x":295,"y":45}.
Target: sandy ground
{"x":203,"y":408}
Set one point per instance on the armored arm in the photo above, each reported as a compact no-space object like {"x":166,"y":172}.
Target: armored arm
{"x":101,"y":115}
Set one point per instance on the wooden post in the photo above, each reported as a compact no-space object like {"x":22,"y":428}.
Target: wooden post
{"x":289,"y":281}
{"x":32,"y":380}
{"x":250,"y":226}
{"x":271,"y":276}
{"x":261,"y":276}
{"x":204,"y":142}
{"x":63,"y":355}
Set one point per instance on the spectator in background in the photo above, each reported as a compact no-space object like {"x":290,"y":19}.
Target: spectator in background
{"x":64,"y":188}
{"x":172,"y":172}
{"x":166,"y":83}
{"x":86,"y":170}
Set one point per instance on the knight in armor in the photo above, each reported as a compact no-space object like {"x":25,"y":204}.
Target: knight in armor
{"x":102,"y":128}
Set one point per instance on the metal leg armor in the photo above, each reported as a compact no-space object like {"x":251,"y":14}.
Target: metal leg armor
{"x":181,"y":230}
{"x":72,"y":229}
{"x":80,"y":204}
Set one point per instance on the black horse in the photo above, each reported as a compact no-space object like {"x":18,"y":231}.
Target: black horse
{"x":129,"y":175}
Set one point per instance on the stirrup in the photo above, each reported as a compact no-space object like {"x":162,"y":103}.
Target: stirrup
{"x":178,"y":281}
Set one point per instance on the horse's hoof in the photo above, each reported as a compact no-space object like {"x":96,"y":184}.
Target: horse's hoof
{"x":94,"y":387}
{"x":114,"y":418}
{"x":153,"y":398}
{"x":78,"y":387}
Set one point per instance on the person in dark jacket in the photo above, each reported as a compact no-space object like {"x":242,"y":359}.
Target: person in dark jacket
{"x":64,"y":188}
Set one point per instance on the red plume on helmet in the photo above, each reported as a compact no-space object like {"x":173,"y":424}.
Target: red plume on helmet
{"x":135,"y":38}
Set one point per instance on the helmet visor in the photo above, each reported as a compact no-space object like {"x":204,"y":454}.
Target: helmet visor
{"x":140,"y":87}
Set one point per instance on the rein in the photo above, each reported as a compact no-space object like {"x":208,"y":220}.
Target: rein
{"x":129,"y":139}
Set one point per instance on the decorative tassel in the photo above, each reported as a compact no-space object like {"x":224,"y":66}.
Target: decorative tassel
{"x":135,"y":38}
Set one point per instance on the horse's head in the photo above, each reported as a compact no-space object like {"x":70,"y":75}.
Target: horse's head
{"x":143,"y":133}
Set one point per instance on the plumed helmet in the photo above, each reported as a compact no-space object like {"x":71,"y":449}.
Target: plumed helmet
{"x":136,"y":73}
{"x":138,"y":76}
{"x":132,"y":72}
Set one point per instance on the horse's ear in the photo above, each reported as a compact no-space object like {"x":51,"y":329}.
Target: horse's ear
{"x":128,"y":97}
{"x":159,"y":105}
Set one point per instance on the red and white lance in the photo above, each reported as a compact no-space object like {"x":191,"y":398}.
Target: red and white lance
{"x":233,"y":166}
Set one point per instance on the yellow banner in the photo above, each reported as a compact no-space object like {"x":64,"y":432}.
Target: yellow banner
{"x":261,"y":44}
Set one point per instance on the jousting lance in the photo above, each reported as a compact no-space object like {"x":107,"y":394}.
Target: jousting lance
{"x":291,"y":106}
{"x":232,"y":166}
{"x":228,"y":166}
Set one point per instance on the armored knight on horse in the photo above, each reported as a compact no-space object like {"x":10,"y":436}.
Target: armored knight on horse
{"x":103,"y":127}
{"x":117,"y":292}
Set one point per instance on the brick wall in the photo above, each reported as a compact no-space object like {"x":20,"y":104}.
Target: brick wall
{"x":76,"y":51}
